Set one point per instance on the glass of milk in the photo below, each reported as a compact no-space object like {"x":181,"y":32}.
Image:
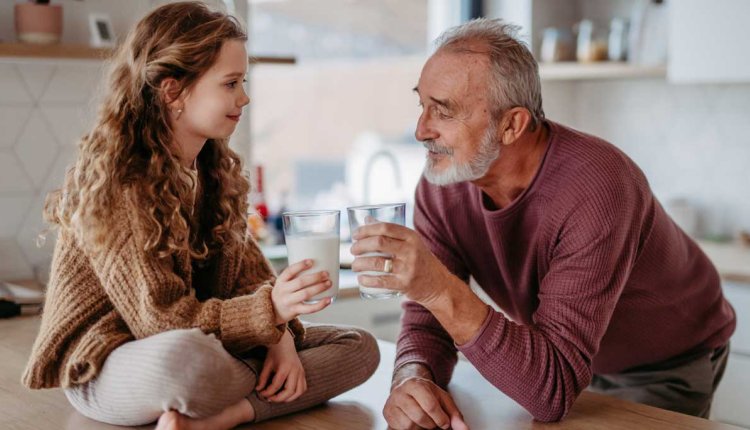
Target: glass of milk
{"x":394,"y":213}
{"x":314,"y":235}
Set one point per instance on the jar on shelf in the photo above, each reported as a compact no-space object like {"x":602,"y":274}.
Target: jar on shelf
{"x":591,"y":43}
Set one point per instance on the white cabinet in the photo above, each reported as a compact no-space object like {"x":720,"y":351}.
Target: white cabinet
{"x":731,"y":399}
{"x":702,"y":41}
{"x":708,"y":41}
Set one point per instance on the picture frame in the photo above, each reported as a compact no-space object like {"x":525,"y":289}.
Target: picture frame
{"x":102,"y":33}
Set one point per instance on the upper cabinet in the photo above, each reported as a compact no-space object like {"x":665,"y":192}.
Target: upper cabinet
{"x":709,"y":41}
{"x":686,"y":41}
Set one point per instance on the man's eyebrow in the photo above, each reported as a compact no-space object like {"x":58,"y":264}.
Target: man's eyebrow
{"x":448,"y":104}
{"x":445,"y":103}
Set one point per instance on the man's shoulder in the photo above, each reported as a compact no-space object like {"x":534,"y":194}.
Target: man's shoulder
{"x":589,"y":164}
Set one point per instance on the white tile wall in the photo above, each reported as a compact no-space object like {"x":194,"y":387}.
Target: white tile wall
{"x":692,"y":141}
{"x":44,"y":109}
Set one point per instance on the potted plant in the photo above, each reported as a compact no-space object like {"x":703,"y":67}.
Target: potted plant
{"x":37,"y":21}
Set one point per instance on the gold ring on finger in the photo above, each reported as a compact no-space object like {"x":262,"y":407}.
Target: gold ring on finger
{"x":388,"y":266}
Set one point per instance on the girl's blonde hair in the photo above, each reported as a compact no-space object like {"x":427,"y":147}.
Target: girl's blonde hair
{"x":129,"y":145}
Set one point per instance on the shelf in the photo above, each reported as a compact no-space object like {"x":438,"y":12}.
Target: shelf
{"x":572,"y":71}
{"x":56,"y":51}
{"x":69,"y":51}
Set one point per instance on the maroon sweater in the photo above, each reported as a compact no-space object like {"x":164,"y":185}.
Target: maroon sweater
{"x":591,"y":273}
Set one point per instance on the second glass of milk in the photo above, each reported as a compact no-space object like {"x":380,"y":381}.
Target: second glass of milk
{"x":315,"y":235}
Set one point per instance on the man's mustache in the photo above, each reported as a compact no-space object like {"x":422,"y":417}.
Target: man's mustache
{"x":438,"y":149}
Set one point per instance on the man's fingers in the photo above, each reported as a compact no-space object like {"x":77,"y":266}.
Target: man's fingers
{"x":373,"y":264}
{"x":432,"y":406}
{"x":456,"y":418}
{"x":397,"y":419}
{"x":295,"y":269}
{"x":380,"y":244}
{"x":416,"y":414}
{"x":382,"y":229}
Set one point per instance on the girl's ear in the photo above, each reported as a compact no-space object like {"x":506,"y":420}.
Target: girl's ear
{"x":170,"y":91}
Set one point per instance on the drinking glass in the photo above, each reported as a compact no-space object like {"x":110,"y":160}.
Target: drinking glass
{"x":315,"y":235}
{"x":394,"y":213}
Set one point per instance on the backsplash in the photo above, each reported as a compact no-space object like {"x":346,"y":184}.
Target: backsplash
{"x":691,"y":141}
{"x":44,"y":109}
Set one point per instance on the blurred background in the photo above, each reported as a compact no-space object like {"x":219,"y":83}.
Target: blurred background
{"x":332,"y":114}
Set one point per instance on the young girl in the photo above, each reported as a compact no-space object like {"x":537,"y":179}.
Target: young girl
{"x":160,"y":306}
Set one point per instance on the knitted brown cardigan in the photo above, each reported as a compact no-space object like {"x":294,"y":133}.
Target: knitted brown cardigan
{"x":95,"y":302}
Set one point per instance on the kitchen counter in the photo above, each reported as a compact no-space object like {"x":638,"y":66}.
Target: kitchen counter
{"x":483,"y":406}
{"x":732,"y":260}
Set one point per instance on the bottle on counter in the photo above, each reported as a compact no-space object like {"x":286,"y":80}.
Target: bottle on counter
{"x":257,"y":208}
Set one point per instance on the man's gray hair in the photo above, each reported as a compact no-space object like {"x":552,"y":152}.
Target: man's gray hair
{"x":515,"y":73}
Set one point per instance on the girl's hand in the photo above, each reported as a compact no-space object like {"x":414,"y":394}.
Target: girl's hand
{"x":292,"y":289}
{"x":288,"y":381}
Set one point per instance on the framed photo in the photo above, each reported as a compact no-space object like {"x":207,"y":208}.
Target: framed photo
{"x":102,"y":34}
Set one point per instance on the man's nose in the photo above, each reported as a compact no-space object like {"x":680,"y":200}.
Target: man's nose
{"x":424,"y":131}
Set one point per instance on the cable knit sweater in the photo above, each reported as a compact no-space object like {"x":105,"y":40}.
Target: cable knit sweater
{"x":591,"y":273}
{"x":95,"y":302}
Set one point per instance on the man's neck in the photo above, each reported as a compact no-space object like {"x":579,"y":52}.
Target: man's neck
{"x":515,"y":168}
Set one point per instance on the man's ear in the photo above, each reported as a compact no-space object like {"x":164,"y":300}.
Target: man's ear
{"x":169,"y":90}
{"x":513,"y":124}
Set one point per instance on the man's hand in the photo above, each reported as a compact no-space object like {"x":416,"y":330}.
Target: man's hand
{"x":417,"y":401}
{"x":415,"y":272}
{"x":419,"y":275}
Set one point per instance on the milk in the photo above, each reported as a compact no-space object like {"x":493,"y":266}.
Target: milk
{"x":323,"y":249}
{"x":376,"y":293}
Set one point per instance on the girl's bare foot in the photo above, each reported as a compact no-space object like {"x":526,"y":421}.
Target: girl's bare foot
{"x":230,"y":417}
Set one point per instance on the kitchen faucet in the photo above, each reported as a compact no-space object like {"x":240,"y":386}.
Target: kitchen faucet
{"x":368,"y":167}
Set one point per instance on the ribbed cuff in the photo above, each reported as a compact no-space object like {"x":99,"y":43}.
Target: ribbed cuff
{"x":249,"y":321}
{"x":494,"y":319}
{"x":480,"y":332}
{"x":298,"y":331}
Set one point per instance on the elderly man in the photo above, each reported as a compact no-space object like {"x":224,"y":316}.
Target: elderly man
{"x":597,"y":285}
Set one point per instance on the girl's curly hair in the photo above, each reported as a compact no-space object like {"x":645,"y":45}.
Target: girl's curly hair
{"x":129,"y":145}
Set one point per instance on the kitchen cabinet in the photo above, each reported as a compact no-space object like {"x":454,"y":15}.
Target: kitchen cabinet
{"x":533,"y":16}
{"x":686,"y":41}
{"x":708,"y":41}
{"x":730,"y":400}
{"x":382,"y":318}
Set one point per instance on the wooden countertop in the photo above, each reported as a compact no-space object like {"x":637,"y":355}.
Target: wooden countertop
{"x":483,"y":406}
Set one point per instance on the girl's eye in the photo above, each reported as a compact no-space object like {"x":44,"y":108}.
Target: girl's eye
{"x":233,"y":84}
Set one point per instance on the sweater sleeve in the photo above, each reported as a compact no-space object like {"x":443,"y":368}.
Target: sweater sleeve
{"x":152,"y":298}
{"x":545,"y":366}
{"x":422,"y":339}
{"x":256,"y":272}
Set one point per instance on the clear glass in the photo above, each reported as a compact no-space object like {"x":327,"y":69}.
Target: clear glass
{"x":394,"y":213}
{"x":315,"y":235}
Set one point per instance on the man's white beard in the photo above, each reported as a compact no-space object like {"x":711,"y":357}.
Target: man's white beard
{"x":472,"y":170}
